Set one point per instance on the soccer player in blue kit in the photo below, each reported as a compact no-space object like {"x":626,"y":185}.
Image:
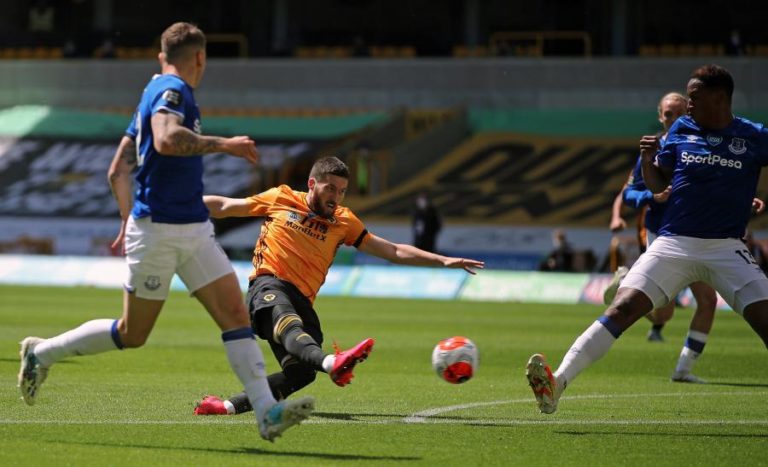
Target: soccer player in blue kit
{"x":637,"y":195}
{"x":166,"y":229}
{"x":712,"y":160}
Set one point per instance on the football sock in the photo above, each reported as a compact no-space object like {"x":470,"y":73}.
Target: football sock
{"x":231,"y":409}
{"x":238,"y":404}
{"x":589,"y":347}
{"x":657,"y":327}
{"x":302,"y":346}
{"x":694,"y":346}
{"x":328,"y":362}
{"x":247,"y":361}
{"x":92,"y":337}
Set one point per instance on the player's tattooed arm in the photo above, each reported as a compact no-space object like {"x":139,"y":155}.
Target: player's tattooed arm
{"x":172,"y":139}
{"x":123,"y":163}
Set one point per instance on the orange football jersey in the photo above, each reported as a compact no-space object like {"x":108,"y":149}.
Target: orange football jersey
{"x":297,"y":245}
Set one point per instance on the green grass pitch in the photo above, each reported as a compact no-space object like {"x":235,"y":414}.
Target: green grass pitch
{"x":135,"y":407}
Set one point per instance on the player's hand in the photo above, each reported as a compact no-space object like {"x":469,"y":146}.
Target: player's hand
{"x":242,"y":146}
{"x":469,"y":265}
{"x":758,"y":206}
{"x":119,"y":243}
{"x":649,"y":144}
{"x":663,"y":196}
{"x":618,"y":224}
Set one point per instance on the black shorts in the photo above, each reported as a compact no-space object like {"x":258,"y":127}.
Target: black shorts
{"x":264,"y":293}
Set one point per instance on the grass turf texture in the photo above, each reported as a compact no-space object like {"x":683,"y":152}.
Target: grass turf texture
{"x":135,"y":407}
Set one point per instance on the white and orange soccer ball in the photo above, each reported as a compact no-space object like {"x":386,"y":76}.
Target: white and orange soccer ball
{"x":455,"y":359}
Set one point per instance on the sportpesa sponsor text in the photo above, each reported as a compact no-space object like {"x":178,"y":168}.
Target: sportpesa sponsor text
{"x":711,"y":159}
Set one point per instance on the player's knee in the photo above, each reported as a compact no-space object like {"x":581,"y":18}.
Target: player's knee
{"x":286,"y":325}
{"x":629,"y":306}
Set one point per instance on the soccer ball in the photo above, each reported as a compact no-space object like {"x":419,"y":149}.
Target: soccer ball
{"x":455,"y":359}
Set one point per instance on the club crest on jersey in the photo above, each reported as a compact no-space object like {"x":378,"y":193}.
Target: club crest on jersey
{"x":714,"y":140}
{"x":152,"y":282}
{"x":172,"y":96}
{"x":294,"y":216}
{"x":737,"y":146}
{"x":269,"y":297}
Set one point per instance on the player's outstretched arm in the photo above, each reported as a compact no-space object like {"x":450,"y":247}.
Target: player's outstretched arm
{"x":171,"y":138}
{"x":119,"y":178}
{"x":400,"y":253}
{"x":221,"y":206}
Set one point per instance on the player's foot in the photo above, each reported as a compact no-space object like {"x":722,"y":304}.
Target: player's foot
{"x":345,"y":362}
{"x":31,"y":374}
{"x":654,"y":335}
{"x":284,"y":415}
{"x":543,"y":384}
{"x":684,"y":377}
{"x":613,"y":287}
{"x":210,"y":405}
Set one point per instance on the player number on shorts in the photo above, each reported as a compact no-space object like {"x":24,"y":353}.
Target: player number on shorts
{"x":746,"y":256}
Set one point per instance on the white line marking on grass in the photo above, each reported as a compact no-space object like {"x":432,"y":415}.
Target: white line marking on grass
{"x":321,"y":421}
{"x":422,"y":416}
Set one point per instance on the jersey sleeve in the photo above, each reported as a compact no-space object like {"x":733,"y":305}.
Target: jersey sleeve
{"x":356,"y":233}
{"x":258,"y":205}
{"x":170,"y":99}
{"x":132,"y":131}
{"x":636,"y":194}
{"x":667,"y":155}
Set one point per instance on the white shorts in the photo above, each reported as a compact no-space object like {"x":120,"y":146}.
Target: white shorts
{"x":671,"y":263}
{"x":156,"y":251}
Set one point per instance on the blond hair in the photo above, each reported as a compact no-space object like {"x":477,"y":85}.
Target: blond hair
{"x":675,"y":96}
{"x":179,"y":39}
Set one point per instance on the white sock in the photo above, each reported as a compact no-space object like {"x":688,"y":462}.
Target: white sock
{"x":92,"y":337}
{"x":230,"y":408}
{"x":247,"y":361}
{"x":589,"y":347}
{"x":688,"y":355}
{"x":328,"y":362}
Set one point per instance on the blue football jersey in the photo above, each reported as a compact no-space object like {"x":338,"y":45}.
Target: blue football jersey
{"x":169,"y":189}
{"x":637,"y":195}
{"x":715,"y":175}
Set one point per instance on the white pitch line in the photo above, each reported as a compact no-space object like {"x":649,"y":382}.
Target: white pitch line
{"x":322,"y":421}
{"x":421,"y":417}
{"x":424,"y":415}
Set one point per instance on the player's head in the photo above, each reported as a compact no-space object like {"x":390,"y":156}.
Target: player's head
{"x":183,"y":45}
{"x":328,"y":181}
{"x":710,"y":90}
{"x":671,"y":107}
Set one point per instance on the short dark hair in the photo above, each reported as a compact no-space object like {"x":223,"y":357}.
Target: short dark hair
{"x":329,"y":166}
{"x":714,"y":77}
{"x":179,"y":39}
